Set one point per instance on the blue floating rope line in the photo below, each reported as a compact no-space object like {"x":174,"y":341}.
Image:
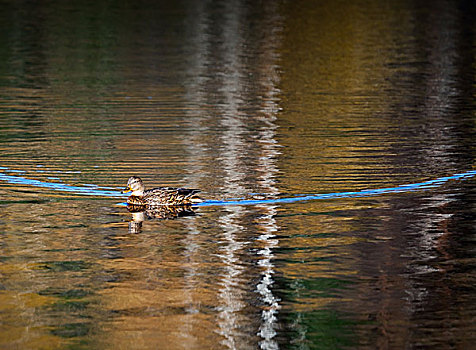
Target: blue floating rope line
{"x":58,"y":186}
{"x":94,"y":190}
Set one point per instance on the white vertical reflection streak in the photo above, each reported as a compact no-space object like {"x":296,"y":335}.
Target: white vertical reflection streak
{"x":267,"y":330}
{"x":268,"y":169}
{"x":231,"y":293}
{"x":191,"y":283}
{"x":197,"y":151}
{"x":232,"y":322}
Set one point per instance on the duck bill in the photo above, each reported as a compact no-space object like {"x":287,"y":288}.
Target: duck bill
{"x":125,"y":190}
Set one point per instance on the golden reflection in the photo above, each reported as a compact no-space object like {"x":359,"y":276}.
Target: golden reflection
{"x":21,"y":325}
{"x":47,"y":262}
{"x":318,"y":247}
{"x":335,"y":82}
{"x":364,"y":98}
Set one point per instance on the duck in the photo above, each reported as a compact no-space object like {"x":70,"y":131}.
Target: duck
{"x":170,"y":196}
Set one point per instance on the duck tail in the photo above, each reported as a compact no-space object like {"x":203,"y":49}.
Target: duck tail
{"x":195,"y":200}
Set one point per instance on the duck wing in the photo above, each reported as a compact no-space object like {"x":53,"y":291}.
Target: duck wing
{"x":171,"y":196}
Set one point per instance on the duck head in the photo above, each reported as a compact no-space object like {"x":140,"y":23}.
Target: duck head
{"x":135,"y":185}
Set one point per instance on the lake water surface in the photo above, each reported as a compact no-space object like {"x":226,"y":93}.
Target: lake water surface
{"x":299,"y":120}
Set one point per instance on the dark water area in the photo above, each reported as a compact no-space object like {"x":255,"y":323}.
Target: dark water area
{"x":333,"y":142}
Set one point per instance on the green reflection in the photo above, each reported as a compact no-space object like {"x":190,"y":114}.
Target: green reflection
{"x":60,"y":266}
{"x":320,"y":329}
{"x":72,"y":330}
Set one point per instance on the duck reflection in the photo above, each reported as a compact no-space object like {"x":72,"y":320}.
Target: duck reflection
{"x":140,"y":213}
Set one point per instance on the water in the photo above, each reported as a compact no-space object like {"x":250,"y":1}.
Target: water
{"x":333,"y":142}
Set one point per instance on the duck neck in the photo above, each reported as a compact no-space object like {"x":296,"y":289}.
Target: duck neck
{"x":138,"y":193}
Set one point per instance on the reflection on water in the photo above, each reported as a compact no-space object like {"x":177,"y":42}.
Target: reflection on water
{"x":238,"y":119}
{"x":142,"y":213}
{"x":332,"y":141}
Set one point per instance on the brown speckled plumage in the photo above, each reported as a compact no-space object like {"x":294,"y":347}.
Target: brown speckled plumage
{"x":159,"y":196}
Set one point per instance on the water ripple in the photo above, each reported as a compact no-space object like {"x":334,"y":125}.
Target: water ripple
{"x":83,"y":190}
{"x":363,"y":193}
{"x":93,"y":190}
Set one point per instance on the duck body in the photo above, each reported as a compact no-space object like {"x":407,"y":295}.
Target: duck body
{"x":166,"y":196}
{"x":169,"y":196}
